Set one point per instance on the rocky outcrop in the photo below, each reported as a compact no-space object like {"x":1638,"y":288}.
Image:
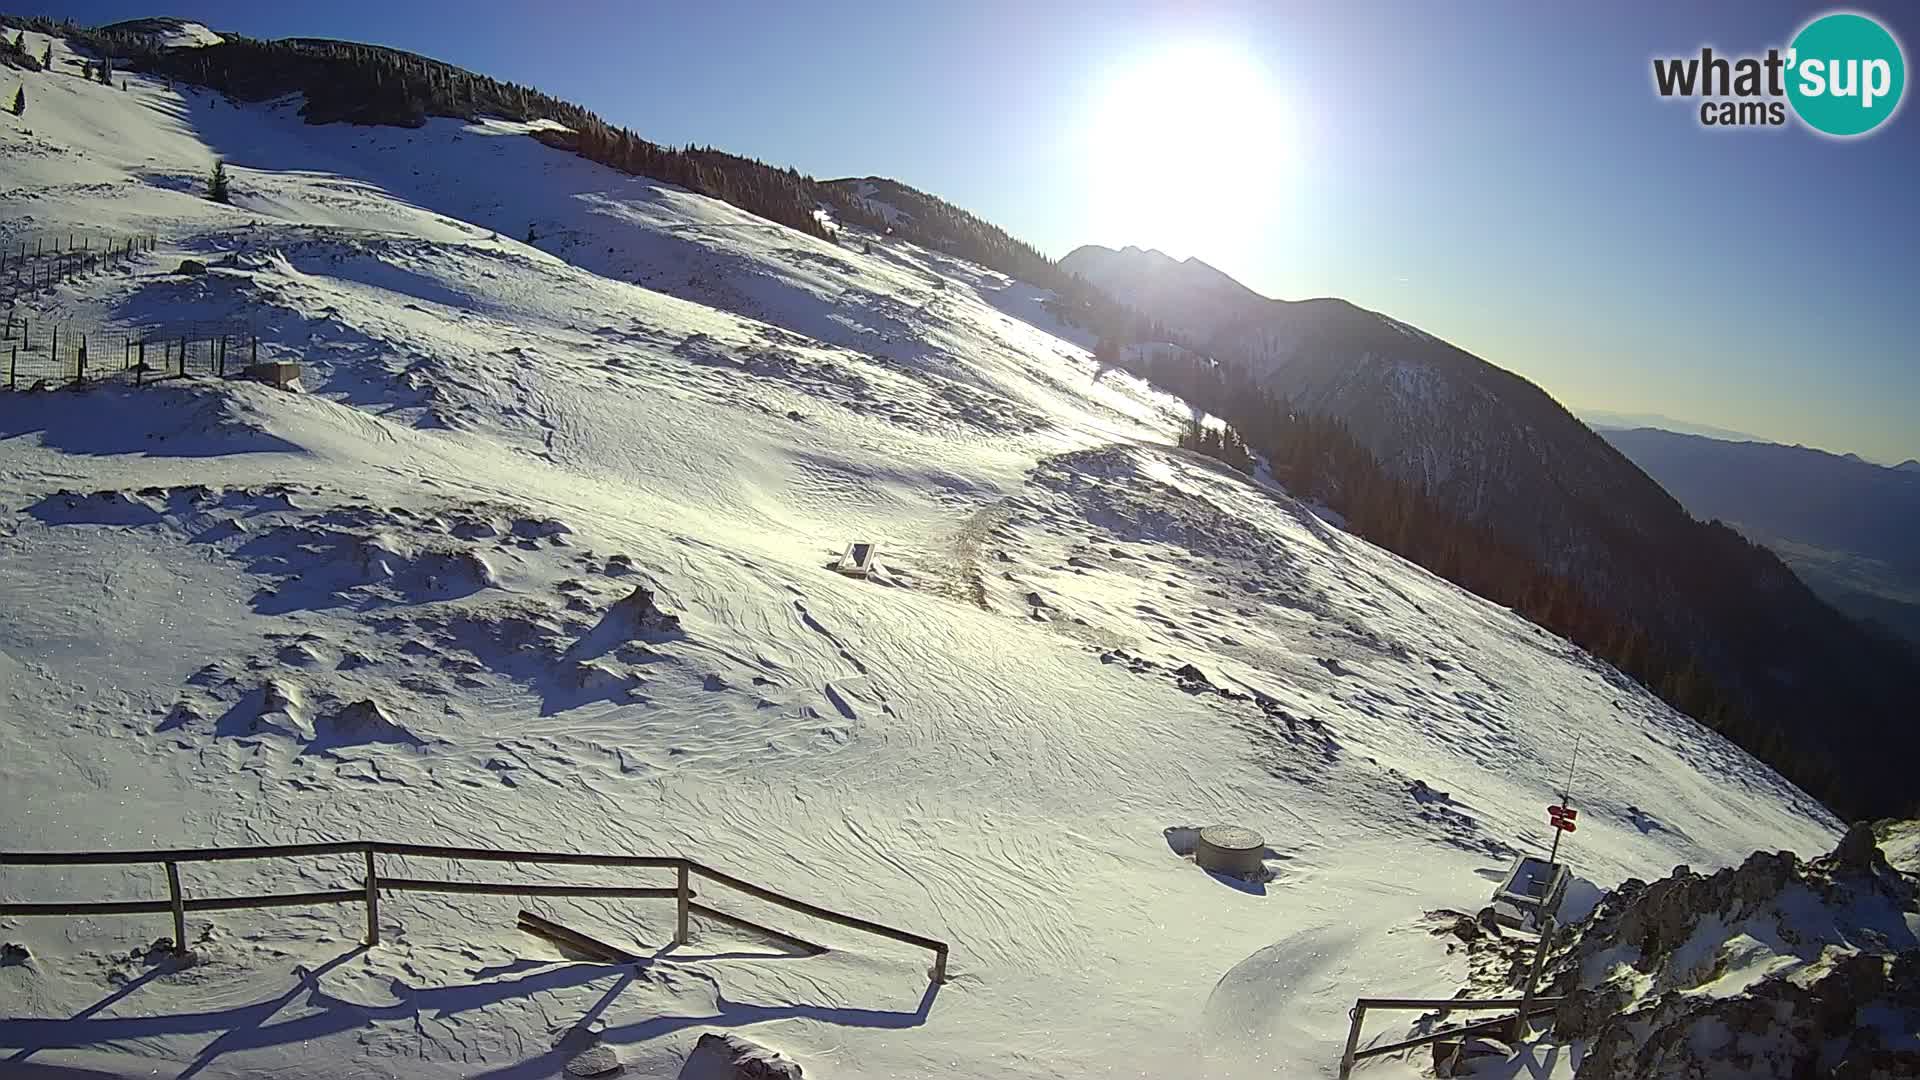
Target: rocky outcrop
{"x":1776,"y":968}
{"x":730,"y":1057}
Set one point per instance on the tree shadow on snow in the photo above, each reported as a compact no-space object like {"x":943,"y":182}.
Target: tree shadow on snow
{"x":252,"y":1027}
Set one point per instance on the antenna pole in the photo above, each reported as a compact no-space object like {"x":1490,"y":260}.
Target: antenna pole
{"x":1566,"y":795}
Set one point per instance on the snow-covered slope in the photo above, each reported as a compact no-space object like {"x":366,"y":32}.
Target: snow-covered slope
{"x":392,"y":607}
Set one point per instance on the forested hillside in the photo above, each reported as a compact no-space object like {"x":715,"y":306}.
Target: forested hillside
{"x":1829,"y":736}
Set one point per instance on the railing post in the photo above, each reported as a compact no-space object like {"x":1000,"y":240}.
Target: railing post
{"x":1533,"y":975}
{"x":940,"y":965}
{"x":1359,"y":1014}
{"x":373,"y":900}
{"x":179,"y":909}
{"x":683,"y":898}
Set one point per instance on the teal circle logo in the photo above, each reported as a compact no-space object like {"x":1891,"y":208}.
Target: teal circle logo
{"x":1846,"y":74}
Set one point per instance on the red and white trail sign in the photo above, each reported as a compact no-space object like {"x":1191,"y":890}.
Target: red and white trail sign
{"x":1562,"y":817}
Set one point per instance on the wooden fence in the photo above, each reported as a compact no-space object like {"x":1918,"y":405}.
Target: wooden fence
{"x":61,"y":354}
{"x":1526,"y":1008}
{"x":368,"y":890}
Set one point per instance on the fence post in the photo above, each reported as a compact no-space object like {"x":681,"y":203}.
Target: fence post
{"x":1533,"y":975}
{"x":13,"y":367}
{"x":683,"y":898}
{"x":183,"y":354}
{"x":80,"y":362}
{"x":1359,"y":1014}
{"x":373,"y":900}
{"x":223,"y":356}
{"x":179,"y":909}
{"x":255,"y":358}
{"x":940,"y":965}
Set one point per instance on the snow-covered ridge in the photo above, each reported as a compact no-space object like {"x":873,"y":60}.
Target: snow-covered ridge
{"x":393,"y":606}
{"x":170,"y":33}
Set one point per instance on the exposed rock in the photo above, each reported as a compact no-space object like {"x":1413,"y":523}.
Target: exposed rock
{"x":12,"y":955}
{"x":364,"y":721}
{"x":596,"y":1060}
{"x":1777,"y":968}
{"x":638,"y":609}
{"x":191,"y":266}
{"x":730,"y":1057}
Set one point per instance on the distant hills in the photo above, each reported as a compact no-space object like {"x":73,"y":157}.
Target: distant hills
{"x":1849,"y":528}
{"x":1602,"y":418}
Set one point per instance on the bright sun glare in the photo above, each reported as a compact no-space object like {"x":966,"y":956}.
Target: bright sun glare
{"x":1163,"y":118}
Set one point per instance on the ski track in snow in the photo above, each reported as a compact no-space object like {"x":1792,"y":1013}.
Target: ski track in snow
{"x":983,"y":741}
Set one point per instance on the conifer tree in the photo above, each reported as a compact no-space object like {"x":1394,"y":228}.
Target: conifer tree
{"x":46,"y":56}
{"x":20,"y":100}
{"x":217,"y":187}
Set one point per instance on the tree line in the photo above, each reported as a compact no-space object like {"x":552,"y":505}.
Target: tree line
{"x":1317,"y":457}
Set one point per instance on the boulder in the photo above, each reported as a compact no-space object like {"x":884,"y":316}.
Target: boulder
{"x":730,"y":1057}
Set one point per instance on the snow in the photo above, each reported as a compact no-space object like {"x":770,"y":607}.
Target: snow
{"x":390,"y":608}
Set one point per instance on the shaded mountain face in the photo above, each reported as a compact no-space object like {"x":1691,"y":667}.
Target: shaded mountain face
{"x":1195,"y":296}
{"x":1846,"y":526}
{"x":1496,"y":449}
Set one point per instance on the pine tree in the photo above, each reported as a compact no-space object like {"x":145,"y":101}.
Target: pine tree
{"x":217,"y":187}
{"x":46,"y":57}
{"x":20,"y":100}
{"x":106,"y":72}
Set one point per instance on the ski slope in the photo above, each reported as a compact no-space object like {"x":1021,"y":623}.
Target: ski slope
{"x":1079,"y":638}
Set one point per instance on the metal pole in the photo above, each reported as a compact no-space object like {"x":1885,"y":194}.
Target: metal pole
{"x":682,"y":891}
{"x":1533,"y":976}
{"x":179,"y":908}
{"x":373,"y":901}
{"x":1359,"y":1014}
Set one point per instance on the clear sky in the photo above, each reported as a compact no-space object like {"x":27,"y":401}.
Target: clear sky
{"x":1500,"y":174}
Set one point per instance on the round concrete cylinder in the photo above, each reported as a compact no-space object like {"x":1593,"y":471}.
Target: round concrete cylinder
{"x":1229,"y":849}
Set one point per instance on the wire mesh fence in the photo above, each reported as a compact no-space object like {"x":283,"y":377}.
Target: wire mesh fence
{"x":28,"y":264}
{"x":60,"y":354}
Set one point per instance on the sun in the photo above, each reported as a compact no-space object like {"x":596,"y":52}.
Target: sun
{"x":1188,"y":146}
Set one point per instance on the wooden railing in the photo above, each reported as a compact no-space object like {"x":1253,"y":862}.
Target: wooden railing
{"x":373,"y":883}
{"x":1526,"y":1008}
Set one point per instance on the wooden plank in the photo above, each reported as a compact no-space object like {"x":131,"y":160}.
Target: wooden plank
{"x":176,"y":855}
{"x":205,"y":903}
{"x":554,"y":858}
{"x":1460,"y":1004}
{"x":508,"y":888}
{"x":781,"y":936}
{"x":372,"y":884}
{"x":818,"y":912}
{"x":1445,"y":1033}
{"x":177,"y":900}
{"x":574,"y":939}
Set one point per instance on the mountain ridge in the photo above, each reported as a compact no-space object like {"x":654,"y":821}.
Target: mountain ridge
{"x":1499,"y":450}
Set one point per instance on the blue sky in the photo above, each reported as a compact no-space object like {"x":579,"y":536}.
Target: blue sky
{"x":1502,"y":175}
